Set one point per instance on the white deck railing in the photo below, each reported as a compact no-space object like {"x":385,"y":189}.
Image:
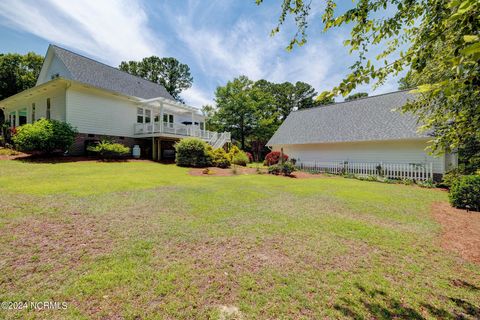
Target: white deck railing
{"x":173,"y":128}
{"x":411,"y":171}
{"x":216,"y":139}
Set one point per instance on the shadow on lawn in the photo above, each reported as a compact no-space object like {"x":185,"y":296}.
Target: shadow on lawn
{"x":390,"y":308}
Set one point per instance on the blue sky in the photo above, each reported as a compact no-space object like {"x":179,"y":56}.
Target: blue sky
{"x":218,"y":39}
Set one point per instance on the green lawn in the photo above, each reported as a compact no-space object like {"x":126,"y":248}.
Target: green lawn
{"x":141,"y":240}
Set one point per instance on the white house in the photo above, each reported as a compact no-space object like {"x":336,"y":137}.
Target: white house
{"x":105,"y":102}
{"x":364,"y":133}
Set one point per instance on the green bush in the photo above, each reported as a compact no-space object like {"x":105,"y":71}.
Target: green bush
{"x":192,"y":152}
{"x":44,"y":136}
{"x":109,"y":150}
{"x":465,"y":193}
{"x":238,"y":157}
{"x":241,"y":159}
{"x":220,"y":158}
{"x":287,"y":168}
{"x":450,"y":177}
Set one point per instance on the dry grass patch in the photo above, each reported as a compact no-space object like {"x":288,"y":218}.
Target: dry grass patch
{"x":460,"y":230}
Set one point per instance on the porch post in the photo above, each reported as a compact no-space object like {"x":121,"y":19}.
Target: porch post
{"x":161,"y":116}
{"x":154,"y":149}
{"x":17,"y":118}
{"x":159,"y":150}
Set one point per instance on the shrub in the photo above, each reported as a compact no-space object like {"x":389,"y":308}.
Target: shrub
{"x":109,"y":150}
{"x":273,"y":158}
{"x":44,"y":136}
{"x":465,"y":193}
{"x":450,"y":177}
{"x":287,"y":168}
{"x":192,"y":152}
{"x":220,"y":158}
{"x":240,"y":159}
{"x":250,"y":157}
{"x":237,"y":156}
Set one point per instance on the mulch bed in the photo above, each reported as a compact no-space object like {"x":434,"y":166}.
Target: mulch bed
{"x":460,"y":230}
{"x":219,"y":172}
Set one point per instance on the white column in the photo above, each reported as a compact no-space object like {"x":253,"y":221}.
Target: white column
{"x":17,"y":118}
{"x":161,"y":116}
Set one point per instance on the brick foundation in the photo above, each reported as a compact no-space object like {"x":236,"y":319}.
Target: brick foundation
{"x":79,"y":147}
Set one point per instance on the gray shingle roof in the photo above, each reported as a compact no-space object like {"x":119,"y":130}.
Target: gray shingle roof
{"x":366,"y":119}
{"x":100,"y":75}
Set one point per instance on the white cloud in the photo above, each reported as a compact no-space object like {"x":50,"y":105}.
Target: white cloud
{"x":111,"y":30}
{"x":197,"y":97}
{"x":246,"y":48}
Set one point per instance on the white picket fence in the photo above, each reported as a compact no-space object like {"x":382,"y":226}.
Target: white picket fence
{"x":411,"y":171}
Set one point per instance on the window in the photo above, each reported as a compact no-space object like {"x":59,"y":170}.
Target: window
{"x":22,"y":116}
{"x":139,"y":115}
{"x":48,"y":109}
{"x":148,"y":116}
{"x":168,"y":119}
{"x":33,"y":112}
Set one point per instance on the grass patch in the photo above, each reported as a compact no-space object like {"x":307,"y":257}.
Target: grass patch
{"x":146,"y":240}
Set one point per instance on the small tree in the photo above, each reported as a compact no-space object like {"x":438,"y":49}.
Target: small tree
{"x":45,"y":136}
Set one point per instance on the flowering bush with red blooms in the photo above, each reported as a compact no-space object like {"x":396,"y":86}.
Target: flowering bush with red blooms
{"x":13,"y":131}
{"x":250,"y":157}
{"x":273,"y":158}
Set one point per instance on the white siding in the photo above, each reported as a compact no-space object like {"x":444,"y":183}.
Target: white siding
{"x":407,"y":151}
{"x":57,"y":105}
{"x":94,"y":112}
{"x":52,"y":66}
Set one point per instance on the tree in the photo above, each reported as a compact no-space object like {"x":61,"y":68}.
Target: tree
{"x":236,"y":108}
{"x":253,"y":111}
{"x":289,"y":97}
{"x":209,"y":112}
{"x":18,"y":72}
{"x":304,"y":96}
{"x":325,"y":101}
{"x":443,"y":52}
{"x":168,"y":72}
{"x":406,"y":82}
{"x":356,"y":96}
